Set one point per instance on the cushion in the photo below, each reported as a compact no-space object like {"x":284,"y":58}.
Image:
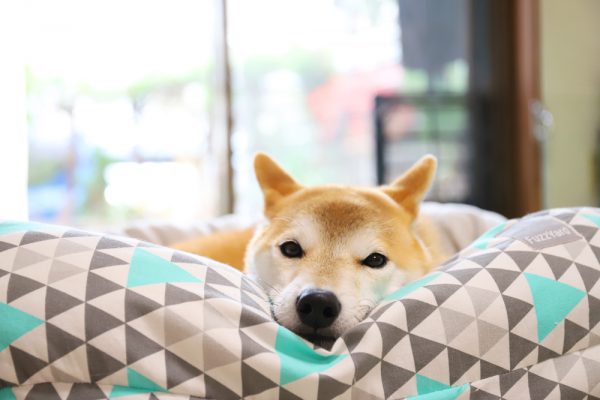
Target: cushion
{"x":90,"y":316}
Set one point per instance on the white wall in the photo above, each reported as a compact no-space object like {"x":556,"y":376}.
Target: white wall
{"x":13,"y":123}
{"x":570,"y":67}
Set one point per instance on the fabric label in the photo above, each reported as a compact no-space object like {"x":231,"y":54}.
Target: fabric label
{"x":542,"y":232}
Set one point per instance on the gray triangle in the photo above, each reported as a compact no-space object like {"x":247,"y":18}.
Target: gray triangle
{"x":489,"y":335}
{"x":558,"y":265}
{"x":137,"y":305}
{"x":253,"y":382}
{"x":393,"y":378}
{"x":181,"y":257}
{"x":442,"y":292}
{"x":60,"y":270}
{"x":539,"y":387}
{"x":573,"y":334}
{"x":33,"y":237}
{"x":215,"y":354}
{"x":101,"y":260}
{"x":179,"y":370}
{"x":26,"y":257}
{"x":479,"y":394}
{"x":567,"y":392}
{"x":596,"y":251}
{"x":503,"y":277}
{"x":6,"y":246}
{"x":88,"y":391}
{"x":330,"y":388}
{"x":589,"y":276}
{"x":25,"y":364}
{"x":522,"y":258}
{"x":216,"y":390}
{"x":507,"y":381}
{"x":515,"y":310}
{"x":565,"y":216}
{"x":363,"y":363}
{"x":416,"y":312}
{"x":484,"y":259}
{"x":481,"y":298}
{"x":564,"y":364}
{"x":138,"y":346}
{"x":19,"y":286}
{"x":250,"y":347}
{"x":519,"y":349}
{"x":77,"y":233}
{"x":592,"y":370}
{"x":98,"y":286}
{"x":459,"y":363}
{"x":176,"y":295}
{"x":424,"y":350}
{"x":100,"y":364}
{"x":97,"y":322}
{"x":250,"y":318}
{"x":60,"y":343}
{"x":215,"y":278}
{"x":355,"y":335}
{"x":110,"y":243}
{"x":249,"y":286}
{"x":285,"y":394}
{"x":379,"y":310}
{"x":249,"y":301}
{"x":454,"y":322}
{"x":488,"y":369}
{"x":45,"y":391}
{"x":3,"y":272}
{"x":66,"y":246}
{"x":587,"y":232}
{"x":594,"y":311}
{"x":545,"y":353}
{"x":390,"y":335}
{"x":464,"y":275}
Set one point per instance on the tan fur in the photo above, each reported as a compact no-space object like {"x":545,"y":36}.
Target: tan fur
{"x":338,"y":227}
{"x":228,"y":247}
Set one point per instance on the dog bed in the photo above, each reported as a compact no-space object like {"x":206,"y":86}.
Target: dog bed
{"x":91,"y":316}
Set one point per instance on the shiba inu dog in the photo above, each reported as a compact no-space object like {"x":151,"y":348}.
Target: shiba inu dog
{"x":327,"y":254}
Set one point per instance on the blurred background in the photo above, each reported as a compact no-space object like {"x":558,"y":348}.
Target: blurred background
{"x":113,"y":111}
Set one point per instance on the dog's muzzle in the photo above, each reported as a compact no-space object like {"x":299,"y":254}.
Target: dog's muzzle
{"x":317,"y":308}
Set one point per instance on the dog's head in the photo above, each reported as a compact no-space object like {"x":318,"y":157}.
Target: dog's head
{"x":328,"y":254}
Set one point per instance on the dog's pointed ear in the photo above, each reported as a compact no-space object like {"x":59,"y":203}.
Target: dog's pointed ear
{"x":274,"y":181}
{"x":410,"y":188}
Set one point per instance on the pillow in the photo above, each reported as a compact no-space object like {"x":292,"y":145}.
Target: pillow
{"x":90,"y":316}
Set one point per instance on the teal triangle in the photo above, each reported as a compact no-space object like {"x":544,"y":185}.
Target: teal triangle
{"x":428,"y":385}
{"x":298,"y":359}
{"x":19,"y":226}
{"x":147,"y":269}
{"x":484,"y":240}
{"x":19,"y":323}
{"x":552,"y":300}
{"x":594,"y":218}
{"x":137,"y":383}
{"x":411,"y":287}
{"x":450,"y":393}
{"x":7,"y":394}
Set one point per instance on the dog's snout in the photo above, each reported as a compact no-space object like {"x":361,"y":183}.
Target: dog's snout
{"x":317,"y":308}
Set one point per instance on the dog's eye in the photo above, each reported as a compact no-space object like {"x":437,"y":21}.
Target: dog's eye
{"x":375,"y":260}
{"x":291,"y":249}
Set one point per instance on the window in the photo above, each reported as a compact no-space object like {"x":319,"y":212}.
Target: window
{"x":121,"y":100}
{"x":119,"y":97}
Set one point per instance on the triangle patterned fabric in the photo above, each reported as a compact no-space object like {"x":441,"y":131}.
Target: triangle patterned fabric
{"x":89,"y":316}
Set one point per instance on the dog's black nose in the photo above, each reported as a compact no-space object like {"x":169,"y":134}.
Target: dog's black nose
{"x":317,"y":308}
